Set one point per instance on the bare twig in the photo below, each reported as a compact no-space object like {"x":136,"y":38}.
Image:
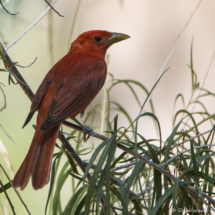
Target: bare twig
{"x":15,"y":190}
{"x":193,"y":138}
{"x":4,"y":106}
{"x":31,"y":26}
{"x":123,"y":166}
{"x":7,"y":10}
{"x":178,"y":37}
{"x":53,"y":8}
{"x":7,"y":134}
{"x":11,"y":206}
{"x":181,"y":153}
{"x":73,"y":21}
{"x":28,"y":65}
{"x":120,"y":209}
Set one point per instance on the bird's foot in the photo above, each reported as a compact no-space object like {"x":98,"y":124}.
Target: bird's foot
{"x":86,"y":133}
{"x":86,"y":130}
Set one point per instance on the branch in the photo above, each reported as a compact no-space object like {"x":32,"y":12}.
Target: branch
{"x":4,"y":106}
{"x":15,"y":190}
{"x":53,"y":8}
{"x":181,"y":153}
{"x":7,"y":197}
{"x":7,"y":10}
{"x":31,"y":26}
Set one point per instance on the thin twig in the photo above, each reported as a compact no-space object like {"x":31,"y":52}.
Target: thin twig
{"x":15,"y":190}
{"x":181,"y":153}
{"x":123,"y":166}
{"x":53,"y":8}
{"x":12,"y":208}
{"x":7,"y":10}
{"x":200,"y":89}
{"x":7,"y":134}
{"x":4,"y":106}
{"x":192,"y":138}
{"x":178,"y":37}
{"x":73,"y":21}
{"x":120,"y":209}
{"x":28,"y":65}
{"x":31,"y":26}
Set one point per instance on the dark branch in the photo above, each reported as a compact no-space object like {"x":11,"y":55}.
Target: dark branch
{"x":53,"y":8}
{"x":15,"y":190}
{"x":7,"y":197}
{"x":28,"y":65}
{"x":7,"y":10}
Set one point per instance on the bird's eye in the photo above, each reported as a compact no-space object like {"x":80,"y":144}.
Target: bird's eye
{"x":97,"y":38}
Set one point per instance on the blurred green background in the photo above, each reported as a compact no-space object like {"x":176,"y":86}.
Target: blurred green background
{"x":153,"y":27}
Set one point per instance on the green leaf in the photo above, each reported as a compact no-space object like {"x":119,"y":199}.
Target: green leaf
{"x":93,"y":157}
{"x":10,"y":71}
{"x":52,"y":180}
{"x":3,"y":70}
{"x":72,"y":163}
{"x":119,"y":196}
{"x":97,"y":171}
{"x":74,"y":200}
{"x":161,"y":201}
{"x":6,"y":186}
{"x":60,"y":182}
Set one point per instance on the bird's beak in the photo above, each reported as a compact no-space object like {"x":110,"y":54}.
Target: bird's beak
{"x":116,"y":37}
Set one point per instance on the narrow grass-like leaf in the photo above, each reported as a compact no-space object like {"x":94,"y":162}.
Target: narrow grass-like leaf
{"x":97,"y":170}
{"x":161,"y":201}
{"x":80,"y":206}
{"x":193,"y":161}
{"x":60,"y":182}
{"x":121,"y":109}
{"x":6,"y":186}
{"x":93,"y":157}
{"x":119,"y":196}
{"x":170,"y":142}
{"x":74,"y":200}
{"x":3,"y":70}
{"x":72,"y":163}
{"x":75,"y":176}
{"x":52,"y":180}
{"x":133,"y":175}
{"x":15,"y":76}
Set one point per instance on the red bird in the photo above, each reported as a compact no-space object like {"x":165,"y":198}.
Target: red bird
{"x":67,"y":89}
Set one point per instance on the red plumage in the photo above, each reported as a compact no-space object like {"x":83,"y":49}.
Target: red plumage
{"x":67,"y":89}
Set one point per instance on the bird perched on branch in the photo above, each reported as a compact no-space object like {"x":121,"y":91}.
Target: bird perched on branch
{"x":67,"y":89}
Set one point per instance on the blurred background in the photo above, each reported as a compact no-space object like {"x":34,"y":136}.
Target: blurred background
{"x":153,"y":26}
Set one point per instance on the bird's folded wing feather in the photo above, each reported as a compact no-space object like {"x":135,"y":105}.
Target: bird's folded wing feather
{"x":73,"y":95}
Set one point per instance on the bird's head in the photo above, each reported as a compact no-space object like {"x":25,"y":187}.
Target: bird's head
{"x":96,"y":42}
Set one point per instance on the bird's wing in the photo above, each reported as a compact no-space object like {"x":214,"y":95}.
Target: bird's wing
{"x":38,"y":98}
{"x":75,"y":93}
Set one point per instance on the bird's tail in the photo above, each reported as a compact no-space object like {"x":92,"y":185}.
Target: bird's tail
{"x":37,"y":162}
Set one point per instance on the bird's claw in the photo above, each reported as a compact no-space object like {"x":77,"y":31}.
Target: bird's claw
{"x":86,"y":133}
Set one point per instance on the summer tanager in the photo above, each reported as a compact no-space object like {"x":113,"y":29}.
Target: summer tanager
{"x":67,"y":89}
